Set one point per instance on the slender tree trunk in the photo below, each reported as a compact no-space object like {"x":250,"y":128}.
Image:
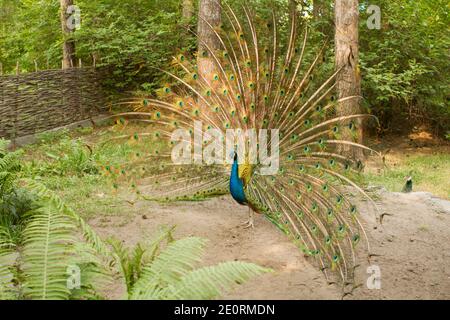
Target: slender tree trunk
{"x":209,"y":12}
{"x":346,"y":54}
{"x":68,"y":45}
{"x":187,"y":10}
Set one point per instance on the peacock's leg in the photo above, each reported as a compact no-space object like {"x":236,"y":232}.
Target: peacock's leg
{"x":250,"y":222}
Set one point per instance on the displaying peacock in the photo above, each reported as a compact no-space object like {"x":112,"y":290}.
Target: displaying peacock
{"x":266,"y":84}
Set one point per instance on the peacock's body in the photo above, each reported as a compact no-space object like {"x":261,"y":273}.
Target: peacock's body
{"x":258,"y":83}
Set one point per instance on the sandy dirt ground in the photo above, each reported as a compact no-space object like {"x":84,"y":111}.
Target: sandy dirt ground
{"x":411,"y":246}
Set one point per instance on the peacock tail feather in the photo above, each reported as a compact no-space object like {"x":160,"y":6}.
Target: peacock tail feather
{"x":259,"y":82}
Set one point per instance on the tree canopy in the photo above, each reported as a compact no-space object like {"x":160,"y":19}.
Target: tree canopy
{"x":404,"y":64}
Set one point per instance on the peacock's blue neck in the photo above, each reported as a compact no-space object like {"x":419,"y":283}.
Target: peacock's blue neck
{"x":236,"y":185}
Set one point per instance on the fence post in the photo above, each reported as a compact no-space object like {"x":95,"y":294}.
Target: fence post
{"x":14,"y":133}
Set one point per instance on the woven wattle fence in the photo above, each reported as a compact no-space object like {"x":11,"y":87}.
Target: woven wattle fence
{"x":44,"y":100}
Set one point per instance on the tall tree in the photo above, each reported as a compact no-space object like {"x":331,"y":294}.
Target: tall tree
{"x":68,"y":44}
{"x":347,"y":55}
{"x":209,"y":16}
{"x":187,"y":9}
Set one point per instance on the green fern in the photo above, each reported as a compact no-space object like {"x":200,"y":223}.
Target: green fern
{"x":88,"y":234}
{"x":7,"y":260}
{"x":209,"y":282}
{"x":172,"y":274}
{"x":47,"y":253}
{"x":175,"y":261}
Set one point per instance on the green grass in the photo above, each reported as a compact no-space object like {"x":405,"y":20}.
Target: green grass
{"x":84,"y":167}
{"x":430,"y":173}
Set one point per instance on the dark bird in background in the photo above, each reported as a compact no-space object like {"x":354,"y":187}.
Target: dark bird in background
{"x":408,"y":185}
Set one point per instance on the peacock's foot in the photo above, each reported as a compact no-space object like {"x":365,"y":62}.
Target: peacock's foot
{"x":250,"y":222}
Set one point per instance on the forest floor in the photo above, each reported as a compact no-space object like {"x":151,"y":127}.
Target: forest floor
{"x":411,"y":247}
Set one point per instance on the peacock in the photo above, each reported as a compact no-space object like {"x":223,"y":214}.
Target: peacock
{"x":262,"y":81}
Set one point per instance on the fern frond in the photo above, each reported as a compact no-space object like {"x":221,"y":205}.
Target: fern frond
{"x":211,"y":282}
{"x":105,"y":258}
{"x":88,"y":234}
{"x":7,"y":260}
{"x":168,"y":267}
{"x":96,"y":277}
{"x":153,"y":246}
{"x":47,"y":252}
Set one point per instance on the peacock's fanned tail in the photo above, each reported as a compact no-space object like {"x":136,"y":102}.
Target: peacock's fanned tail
{"x":262,"y":79}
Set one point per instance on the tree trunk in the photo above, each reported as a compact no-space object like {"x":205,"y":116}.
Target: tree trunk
{"x":348,"y":81}
{"x":209,"y":12}
{"x":187,"y":10}
{"x":69,"y":44}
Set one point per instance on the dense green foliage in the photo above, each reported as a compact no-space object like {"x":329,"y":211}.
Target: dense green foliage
{"x":405,"y":65}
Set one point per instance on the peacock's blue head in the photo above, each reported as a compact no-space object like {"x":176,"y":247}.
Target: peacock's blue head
{"x":233,"y":155}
